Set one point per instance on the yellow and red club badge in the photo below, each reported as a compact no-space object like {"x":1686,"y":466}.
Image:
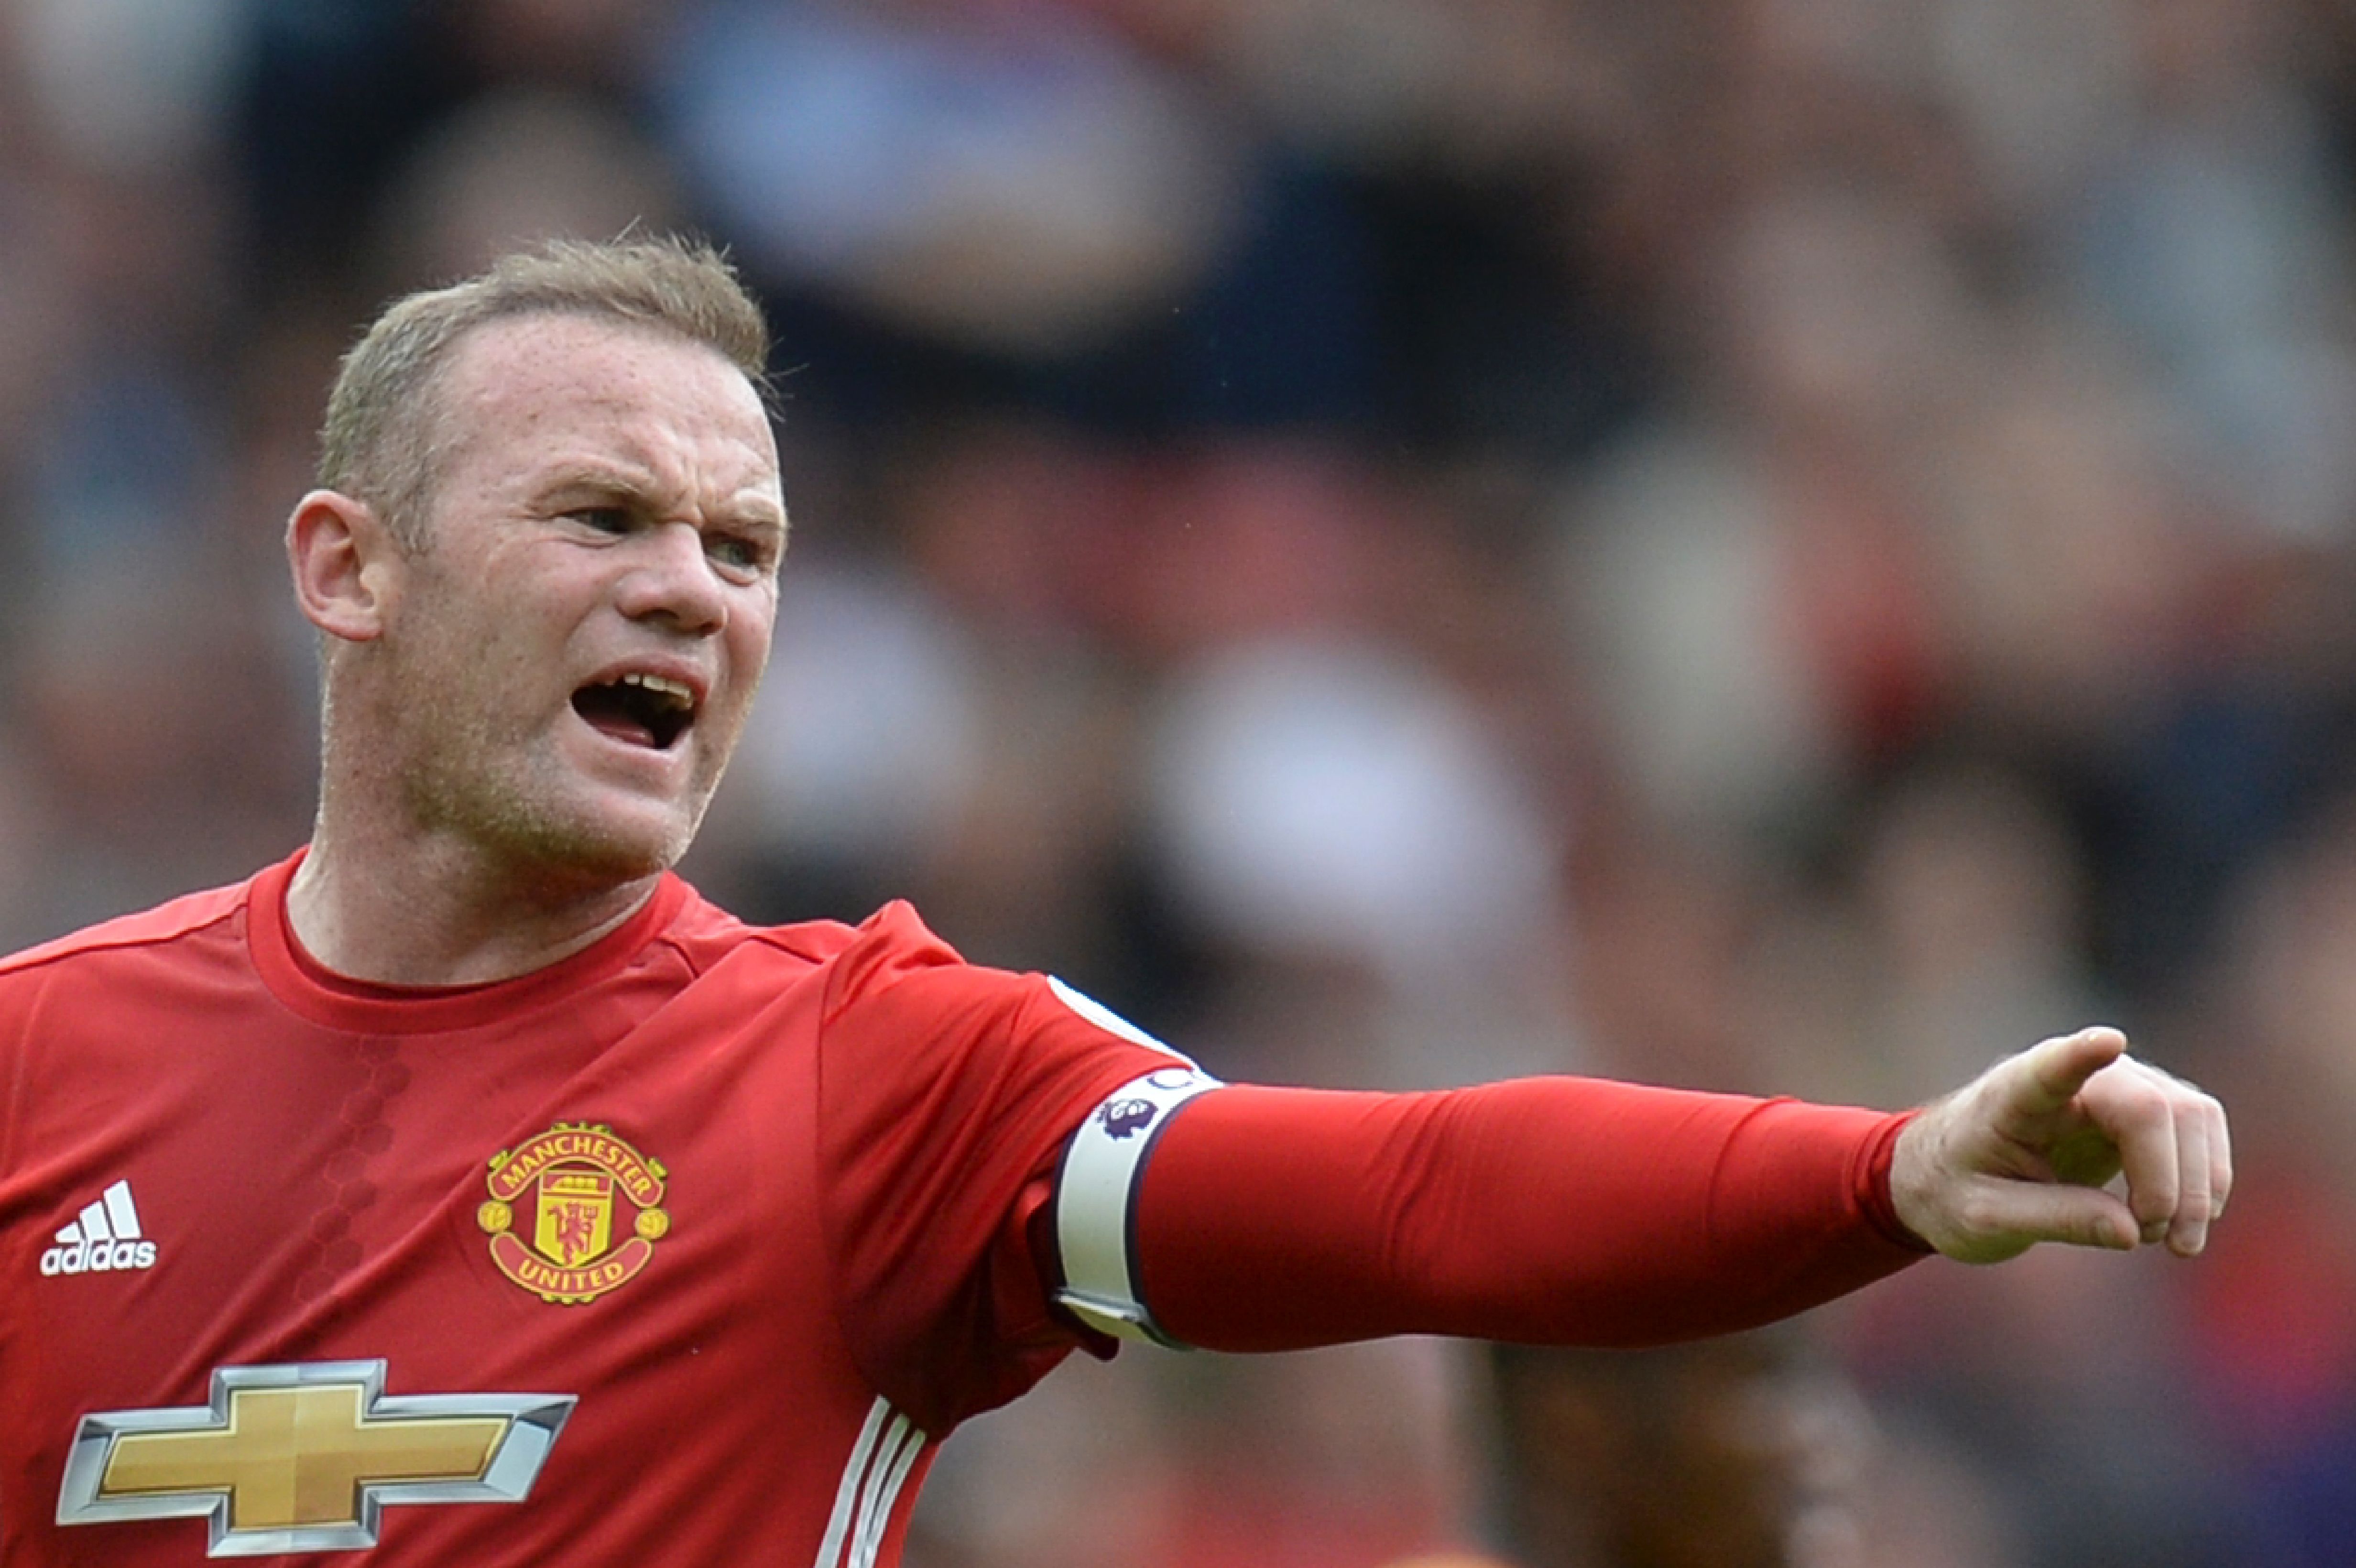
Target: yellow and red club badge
{"x":573,"y":1186}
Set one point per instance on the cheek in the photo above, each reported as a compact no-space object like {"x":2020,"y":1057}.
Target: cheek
{"x":747,"y":651}
{"x":748,"y":645}
{"x":471,"y":668}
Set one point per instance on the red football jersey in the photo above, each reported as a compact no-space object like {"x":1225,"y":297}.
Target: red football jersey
{"x":685,"y":1250}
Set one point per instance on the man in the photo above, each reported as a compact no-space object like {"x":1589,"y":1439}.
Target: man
{"x":469,"y":1157}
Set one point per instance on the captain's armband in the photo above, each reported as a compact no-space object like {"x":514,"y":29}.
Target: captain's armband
{"x":1096,"y":1199}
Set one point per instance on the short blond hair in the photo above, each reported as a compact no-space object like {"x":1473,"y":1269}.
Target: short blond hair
{"x":381,"y":442}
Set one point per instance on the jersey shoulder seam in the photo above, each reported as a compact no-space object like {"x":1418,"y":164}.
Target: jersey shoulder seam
{"x":794,"y":940}
{"x":700,"y":951}
{"x":165,"y":923}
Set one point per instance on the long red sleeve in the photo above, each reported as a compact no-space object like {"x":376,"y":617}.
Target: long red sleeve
{"x":1545,"y":1210}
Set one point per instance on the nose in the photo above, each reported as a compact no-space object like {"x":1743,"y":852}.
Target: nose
{"x":672,"y":581}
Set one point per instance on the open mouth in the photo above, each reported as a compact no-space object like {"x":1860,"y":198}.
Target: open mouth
{"x":639,"y":710}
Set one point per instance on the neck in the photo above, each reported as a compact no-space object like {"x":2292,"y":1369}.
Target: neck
{"x":439,"y":913}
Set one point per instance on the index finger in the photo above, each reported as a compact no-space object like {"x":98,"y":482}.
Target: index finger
{"x":2056,"y":1070}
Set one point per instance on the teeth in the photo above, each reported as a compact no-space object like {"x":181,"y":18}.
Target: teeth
{"x":677,"y":691}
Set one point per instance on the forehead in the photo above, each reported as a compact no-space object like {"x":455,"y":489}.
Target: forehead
{"x":540,"y":389}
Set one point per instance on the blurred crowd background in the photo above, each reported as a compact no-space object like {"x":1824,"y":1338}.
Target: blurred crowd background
{"x":1778,"y":545}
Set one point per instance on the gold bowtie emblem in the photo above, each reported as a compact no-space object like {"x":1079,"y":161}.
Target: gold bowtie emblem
{"x":302,"y":1458}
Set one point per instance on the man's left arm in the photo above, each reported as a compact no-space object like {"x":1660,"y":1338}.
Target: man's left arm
{"x":1573,"y":1210}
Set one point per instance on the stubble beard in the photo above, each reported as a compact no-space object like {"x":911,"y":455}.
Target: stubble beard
{"x":493,"y":782}
{"x":507,"y":798}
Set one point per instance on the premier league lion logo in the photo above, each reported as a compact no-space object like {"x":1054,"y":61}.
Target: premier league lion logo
{"x":1124,"y":1118}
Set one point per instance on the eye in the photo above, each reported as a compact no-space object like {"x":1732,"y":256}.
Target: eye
{"x":740,"y":554}
{"x":604,"y":519}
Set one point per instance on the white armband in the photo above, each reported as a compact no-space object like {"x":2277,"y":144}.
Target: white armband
{"x":1096,"y":1199}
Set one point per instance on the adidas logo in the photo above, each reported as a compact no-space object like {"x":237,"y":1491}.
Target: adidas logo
{"x":103,"y":1236}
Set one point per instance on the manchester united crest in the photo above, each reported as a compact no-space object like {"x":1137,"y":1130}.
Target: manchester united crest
{"x":558,"y":1205}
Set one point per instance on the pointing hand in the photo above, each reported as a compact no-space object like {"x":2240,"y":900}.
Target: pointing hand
{"x":2026,"y":1152}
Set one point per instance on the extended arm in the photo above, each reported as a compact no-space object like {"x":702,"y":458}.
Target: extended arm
{"x":1553,"y":1210}
{"x":1573,"y":1210}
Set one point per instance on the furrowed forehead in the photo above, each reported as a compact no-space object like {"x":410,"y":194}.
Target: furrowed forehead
{"x":571,"y":394}
{"x":383,"y":433}
{"x":552,"y":342}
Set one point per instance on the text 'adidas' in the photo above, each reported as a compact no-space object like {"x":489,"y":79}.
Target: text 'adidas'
{"x":103,"y":1237}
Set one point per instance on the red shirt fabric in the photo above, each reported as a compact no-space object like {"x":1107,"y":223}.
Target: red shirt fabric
{"x":845,"y":1123}
{"x":759,"y":1215}
{"x":1543,"y":1210}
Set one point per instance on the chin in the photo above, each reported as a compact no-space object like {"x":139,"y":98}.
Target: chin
{"x":607,"y":858}
{"x":558,"y":825}
{"x":577,"y":844}
{"x":564,"y":865}
{"x":608,"y":848}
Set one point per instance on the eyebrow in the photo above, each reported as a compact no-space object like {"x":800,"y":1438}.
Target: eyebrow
{"x":605,"y":477}
{"x":640,"y":485}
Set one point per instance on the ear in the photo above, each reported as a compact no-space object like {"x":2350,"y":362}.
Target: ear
{"x":343,"y":561}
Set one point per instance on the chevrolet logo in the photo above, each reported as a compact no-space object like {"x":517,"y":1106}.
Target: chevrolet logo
{"x":303,"y":1458}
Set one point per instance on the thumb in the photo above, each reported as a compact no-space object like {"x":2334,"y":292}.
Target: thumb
{"x":2013,"y":1216}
